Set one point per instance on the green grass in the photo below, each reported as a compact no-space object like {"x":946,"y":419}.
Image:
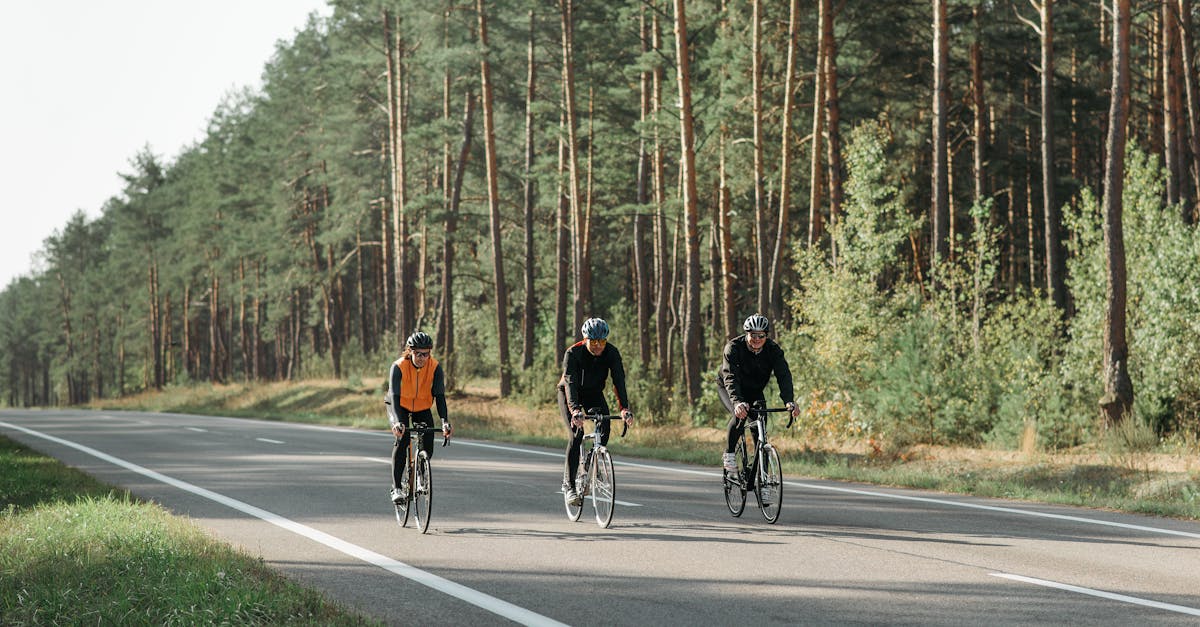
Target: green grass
{"x":74,"y":551}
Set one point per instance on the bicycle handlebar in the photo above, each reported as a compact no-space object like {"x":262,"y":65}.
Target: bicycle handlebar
{"x":770,"y":410}
{"x":599,"y":417}
{"x":415,"y":430}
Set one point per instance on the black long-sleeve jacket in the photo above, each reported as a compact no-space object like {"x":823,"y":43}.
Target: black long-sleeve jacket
{"x":745,"y":373}
{"x":585,"y":374}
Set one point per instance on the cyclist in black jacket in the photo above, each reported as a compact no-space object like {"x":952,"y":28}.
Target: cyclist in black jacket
{"x":586,"y":366}
{"x":748,"y":363}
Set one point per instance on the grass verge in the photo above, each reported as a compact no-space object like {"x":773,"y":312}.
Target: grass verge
{"x":1110,"y":475}
{"x":75,"y":551}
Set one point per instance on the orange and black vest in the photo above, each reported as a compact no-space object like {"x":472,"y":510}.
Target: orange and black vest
{"x":416,"y":384}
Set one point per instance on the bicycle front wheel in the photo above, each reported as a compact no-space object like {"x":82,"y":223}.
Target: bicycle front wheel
{"x":604,"y":488}
{"x":770,"y":484}
{"x":423,"y":492}
{"x":402,"y":508}
{"x":735,"y":487}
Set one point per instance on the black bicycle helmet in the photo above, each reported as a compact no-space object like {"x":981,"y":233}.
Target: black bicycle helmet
{"x":420,"y":339}
{"x":594,"y":329}
{"x":757,"y":322}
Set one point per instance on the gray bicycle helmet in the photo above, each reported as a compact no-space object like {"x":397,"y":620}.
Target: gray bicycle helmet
{"x":420,"y":339}
{"x":757,"y":322}
{"x":594,"y":329}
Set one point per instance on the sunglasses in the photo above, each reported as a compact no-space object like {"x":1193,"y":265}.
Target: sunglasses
{"x":758,"y":336}
{"x":598,"y":342}
{"x":421,"y":353}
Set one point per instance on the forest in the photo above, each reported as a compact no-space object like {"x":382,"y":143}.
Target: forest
{"x":970,"y":221}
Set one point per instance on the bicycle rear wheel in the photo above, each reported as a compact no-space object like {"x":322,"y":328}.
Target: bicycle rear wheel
{"x":770,"y":484}
{"x":735,"y":488}
{"x":604,"y":488}
{"x":402,"y":508}
{"x":423,"y":492}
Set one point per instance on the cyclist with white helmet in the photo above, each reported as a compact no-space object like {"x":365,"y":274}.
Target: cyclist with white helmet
{"x":749,"y":361}
{"x":416,"y":384}
{"x":586,"y":366}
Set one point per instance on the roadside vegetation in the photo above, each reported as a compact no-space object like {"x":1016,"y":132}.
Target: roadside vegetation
{"x":75,"y":552}
{"x":1126,"y":469}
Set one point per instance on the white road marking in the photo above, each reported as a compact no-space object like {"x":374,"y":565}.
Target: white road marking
{"x":197,"y":429}
{"x":268,"y":440}
{"x":474,"y":597}
{"x":618,"y":502}
{"x":1170,"y":607}
{"x":379,"y":460}
{"x":900,"y":497}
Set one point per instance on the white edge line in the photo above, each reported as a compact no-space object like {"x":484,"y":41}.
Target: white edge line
{"x":1170,"y":607}
{"x":901,"y":497}
{"x":269,"y":440}
{"x":459,"y":591}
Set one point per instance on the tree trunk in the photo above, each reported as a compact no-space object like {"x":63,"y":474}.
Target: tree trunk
{"x":446,"y":328}
{"x":728,"y":323}
{"x":663,"y":263}
{"x":979,"y":131}
{"x":563,"y":248}
{"x":579,"y":255}
{"x":691,"y":322}
{"x":815,"y":222}
{"x":1118,"y":387}
{"x":395,"y":83}
{"x":1187,"y":55}
{"x":762,"y":268}
{"x":1171,"y":102}
{"x":641,"y":221}
{"x":489,"y":142}
{"x":1056,"y":269}
{"x":530,"y":322}
{"x":939,"y":246}
{"x":782,"y":231}
{"x":832,"y":122}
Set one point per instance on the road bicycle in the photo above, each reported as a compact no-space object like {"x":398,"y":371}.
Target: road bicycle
{"x":761,"y":472}
{"x":418,"y":480}
{"x":595,"y":479}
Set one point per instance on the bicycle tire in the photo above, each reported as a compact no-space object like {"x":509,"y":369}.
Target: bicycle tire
{"x":423,"y":492}
{"x":735,"y":489}
{"x":603,"y":488}
{"x":574,"y":512}
{"x":402,"y":508}
{"x":770,"y":496}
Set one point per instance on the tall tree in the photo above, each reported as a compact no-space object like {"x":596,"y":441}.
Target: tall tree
{"x":1192,"y":109}
{"x":1118,"y":386}
{"x":641,"y":260}
{"x":762,"y":267}
{"x":832,"y":110}
{"x":395,"y":107}
{"x":493,"y":195}
{"x":939,"y":247}
{"x":579,"y":256}
{"x":1055,"y":267}
{"x":530,"y":321}
{"x":782,"y":230}
{"x":691,"y":317}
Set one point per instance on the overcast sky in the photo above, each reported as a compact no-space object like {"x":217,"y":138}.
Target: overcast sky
{"x":87,"y":84}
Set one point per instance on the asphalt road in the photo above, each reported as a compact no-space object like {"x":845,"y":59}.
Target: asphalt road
{"x":312,"y":501}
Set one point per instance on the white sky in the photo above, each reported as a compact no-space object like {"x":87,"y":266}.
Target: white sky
{"x":86,"y":84}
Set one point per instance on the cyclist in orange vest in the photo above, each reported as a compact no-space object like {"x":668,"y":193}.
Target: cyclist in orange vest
{"x":416,"y":384}
{"x":586,"y":366}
